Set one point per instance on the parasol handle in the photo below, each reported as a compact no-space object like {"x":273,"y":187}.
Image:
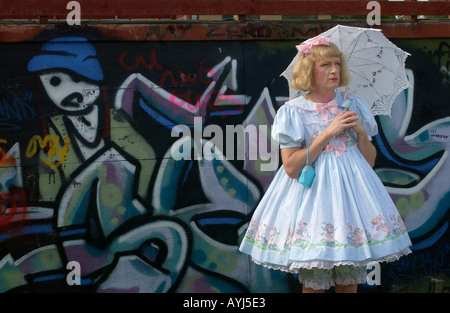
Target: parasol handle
{"x":346,"y":95}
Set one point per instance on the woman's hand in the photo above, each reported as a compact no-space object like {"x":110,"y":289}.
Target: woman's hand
{"x":343,"y":121}
{"x":359,"y":129}
{"x":346,"y":120}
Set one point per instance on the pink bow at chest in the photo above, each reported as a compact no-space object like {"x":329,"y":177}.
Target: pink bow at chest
{"x":331,"y":106}
{"x":338,"y":149}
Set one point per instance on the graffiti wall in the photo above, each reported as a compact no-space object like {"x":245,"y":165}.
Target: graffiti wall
{"x":136,"y":166}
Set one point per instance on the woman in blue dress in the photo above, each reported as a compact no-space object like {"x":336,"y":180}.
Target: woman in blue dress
{"x":326,"y":233}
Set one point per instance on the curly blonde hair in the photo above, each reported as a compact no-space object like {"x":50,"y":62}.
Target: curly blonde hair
{"x":302,"y":75}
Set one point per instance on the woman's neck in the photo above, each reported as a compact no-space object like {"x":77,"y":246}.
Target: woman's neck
{"x":320,"y":96}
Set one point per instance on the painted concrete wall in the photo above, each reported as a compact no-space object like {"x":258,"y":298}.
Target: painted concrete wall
{"x":105,"y":160}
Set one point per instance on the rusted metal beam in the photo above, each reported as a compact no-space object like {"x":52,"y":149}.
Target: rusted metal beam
{"x":139,"y":9}
{"x":223,"y":30}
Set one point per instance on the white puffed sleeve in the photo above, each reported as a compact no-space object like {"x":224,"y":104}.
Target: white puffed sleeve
{"x":288,"y":128}
{"x":365,"y":115}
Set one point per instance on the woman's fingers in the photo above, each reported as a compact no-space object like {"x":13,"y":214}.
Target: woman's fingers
{"x":349,"y":119}
{"x":343,"y":121}
{"x":346,"y":117}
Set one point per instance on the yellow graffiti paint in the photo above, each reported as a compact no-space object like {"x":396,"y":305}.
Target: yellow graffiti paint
{"x":222,"y":261}
{"x":48,"y":258}
{"x":417,"y":200}
{"x":52,"y":143}
{"x":111,"y":195}
{"x":412,"y":203}
{"x":12,"y":279}
{"x":403,"y":206}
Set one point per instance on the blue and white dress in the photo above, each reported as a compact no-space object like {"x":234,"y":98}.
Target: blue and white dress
{"x":345,"y":218}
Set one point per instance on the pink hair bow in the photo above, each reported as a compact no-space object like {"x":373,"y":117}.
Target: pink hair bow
{"x":306,"y":46}
{"x":338,"y":149}
{"x":331,"y":107}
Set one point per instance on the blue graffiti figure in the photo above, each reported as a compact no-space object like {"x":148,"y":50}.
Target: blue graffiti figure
{"x":102,"y":220}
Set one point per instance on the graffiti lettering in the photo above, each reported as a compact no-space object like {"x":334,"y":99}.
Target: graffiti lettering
{"x":428,"y":263}
{"x":239,"y":32}
{"x":140,"y":61}
{"x":18,"y":110}
{"x":439,"y":136}
{"x":52,"y":144}
{"x":182,"y":79}
{"x":168,"y":77}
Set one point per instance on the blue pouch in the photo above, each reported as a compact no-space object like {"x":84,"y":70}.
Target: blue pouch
{"x":308,"y":173}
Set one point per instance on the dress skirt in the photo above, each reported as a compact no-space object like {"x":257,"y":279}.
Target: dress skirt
{"x":359,"y":226}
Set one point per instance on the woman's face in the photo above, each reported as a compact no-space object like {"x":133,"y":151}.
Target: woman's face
{"x":327,"y":72}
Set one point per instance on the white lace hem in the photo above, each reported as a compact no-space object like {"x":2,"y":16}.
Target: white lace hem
{"x":294,"y":266}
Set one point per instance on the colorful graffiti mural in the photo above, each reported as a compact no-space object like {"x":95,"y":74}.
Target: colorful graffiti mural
{"x":94,"y":168}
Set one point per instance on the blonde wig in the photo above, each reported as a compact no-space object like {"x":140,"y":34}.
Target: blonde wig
{"x":303,"y":72}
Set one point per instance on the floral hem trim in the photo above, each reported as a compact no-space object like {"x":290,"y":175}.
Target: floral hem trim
{"x":267,"y":238}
